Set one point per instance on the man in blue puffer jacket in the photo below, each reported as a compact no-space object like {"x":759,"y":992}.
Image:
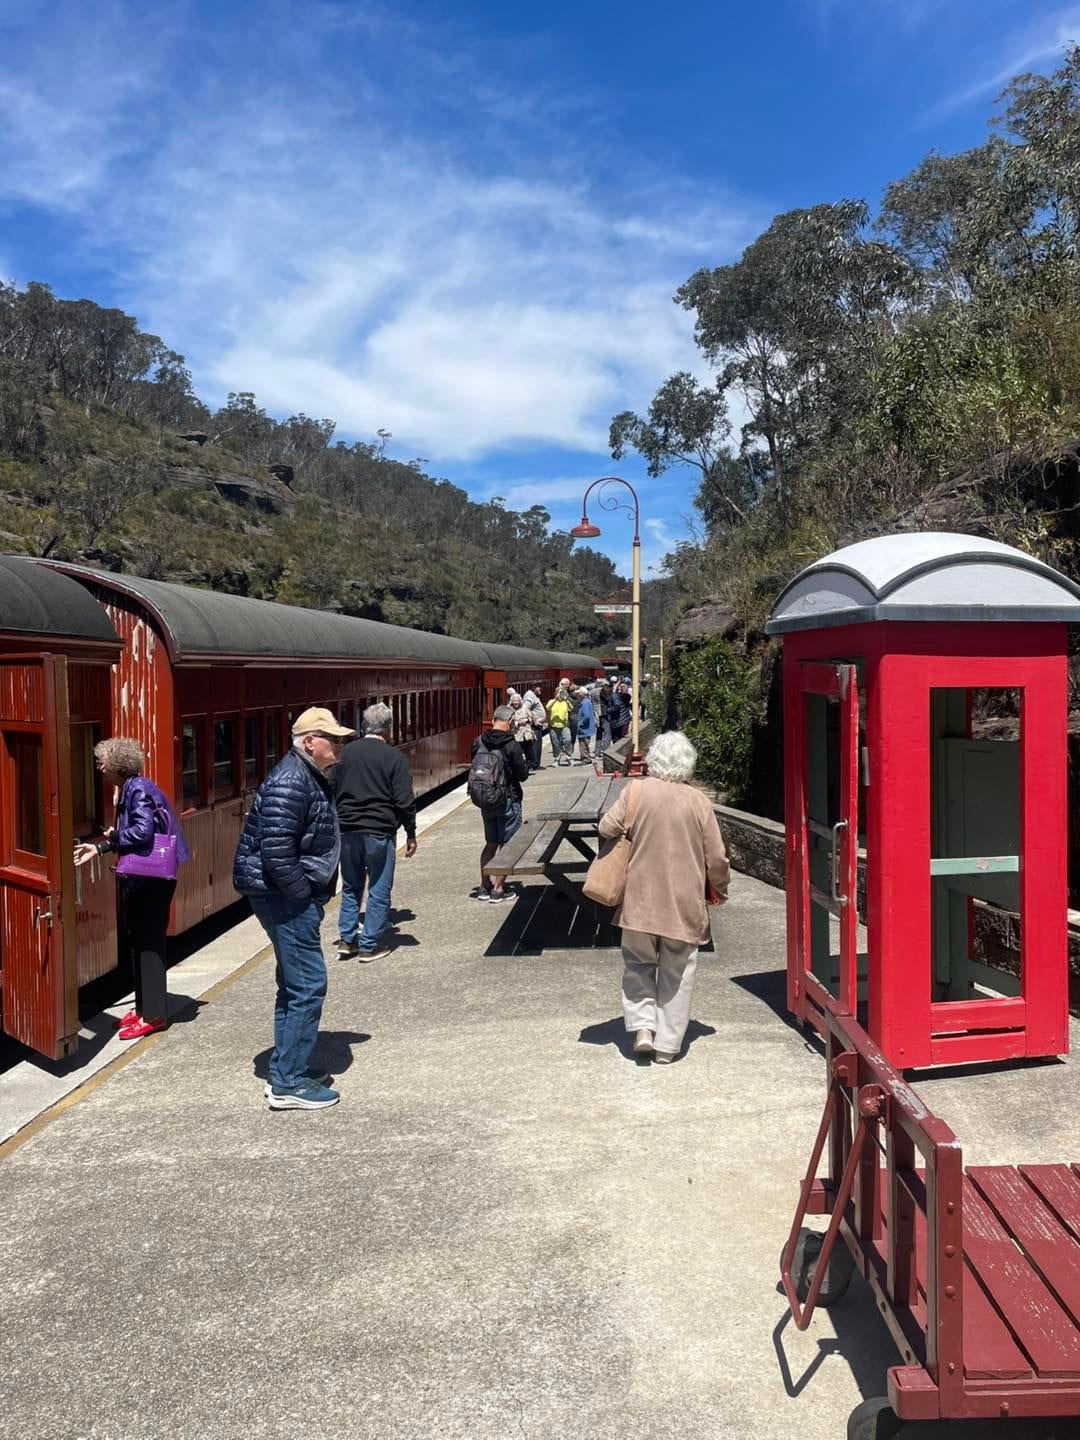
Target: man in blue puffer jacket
{"x":286,"y":864}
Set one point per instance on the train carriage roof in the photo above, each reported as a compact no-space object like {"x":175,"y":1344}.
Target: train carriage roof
{"x":504,"y":657}
{"x":202,"y":623}
{"x":37,"y":601}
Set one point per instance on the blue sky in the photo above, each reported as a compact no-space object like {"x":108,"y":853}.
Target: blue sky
{"x":463,"y":222}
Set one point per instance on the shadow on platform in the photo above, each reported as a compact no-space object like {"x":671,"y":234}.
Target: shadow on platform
{"x":864,"y":1344}
{"x":333,"y":1051}
{"x":614,"y":1032}
{"x":95,"y":1032}
{"x":541,"y":917}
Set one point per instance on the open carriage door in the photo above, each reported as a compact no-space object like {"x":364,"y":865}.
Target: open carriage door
{"x":494,"y":694}
{"x":38,"y":975}
{"x":826,"y":839}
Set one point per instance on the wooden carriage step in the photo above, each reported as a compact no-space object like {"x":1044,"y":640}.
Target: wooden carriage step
{"x":526,"y":851}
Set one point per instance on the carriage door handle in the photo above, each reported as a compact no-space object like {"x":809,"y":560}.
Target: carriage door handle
{"x":42,"y":915}
{"x":834,"y":863}
{"x":78,"y":885}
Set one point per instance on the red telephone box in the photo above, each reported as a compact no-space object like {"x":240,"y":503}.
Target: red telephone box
{"x":896,"y":650}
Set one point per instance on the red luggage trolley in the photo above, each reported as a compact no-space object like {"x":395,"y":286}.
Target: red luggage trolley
{"x":976,"y":1272}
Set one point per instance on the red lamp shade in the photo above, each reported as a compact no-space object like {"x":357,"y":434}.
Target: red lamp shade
{"x":585,"y":531}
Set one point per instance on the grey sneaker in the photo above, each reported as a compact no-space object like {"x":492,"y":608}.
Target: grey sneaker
{"x":379,"y":953}
{"x":316,"y":1077}
{"x":345,"y":949}
{"x":662,"y":1057}
{"x":496,"y":897}
{"x":306,"y":1096}
{"x":643,"y":1042}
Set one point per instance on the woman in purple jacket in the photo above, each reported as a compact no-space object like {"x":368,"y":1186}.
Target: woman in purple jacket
{"x":142,"y":813}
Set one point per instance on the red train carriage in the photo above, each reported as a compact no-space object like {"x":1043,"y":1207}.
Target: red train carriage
{"x":57,"y":649}
{"x":209,"y":684}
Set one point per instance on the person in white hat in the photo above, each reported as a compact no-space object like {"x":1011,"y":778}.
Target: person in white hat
{"x":286,"y":864}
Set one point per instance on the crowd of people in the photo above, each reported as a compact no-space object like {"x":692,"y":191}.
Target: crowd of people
{"x":581,"y":721}
{"x":330,"y":807}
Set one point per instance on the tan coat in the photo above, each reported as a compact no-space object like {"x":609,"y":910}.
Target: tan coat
{"x":675,"y":844}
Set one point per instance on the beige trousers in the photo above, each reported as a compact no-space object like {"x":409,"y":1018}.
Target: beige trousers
{"x":658,"y":983}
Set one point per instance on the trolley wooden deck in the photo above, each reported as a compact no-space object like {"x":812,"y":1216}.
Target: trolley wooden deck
{"x":976,"y":1272}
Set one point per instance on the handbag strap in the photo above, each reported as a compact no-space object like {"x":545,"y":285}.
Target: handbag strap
{"x":631,"y":808}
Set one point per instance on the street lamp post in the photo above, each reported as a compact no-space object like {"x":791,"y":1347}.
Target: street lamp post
{"x":587,"y":531}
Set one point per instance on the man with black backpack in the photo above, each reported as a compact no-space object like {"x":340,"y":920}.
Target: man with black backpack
{"x":498,"y":767}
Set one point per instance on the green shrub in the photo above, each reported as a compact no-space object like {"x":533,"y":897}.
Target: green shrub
{"x":714,"y":701}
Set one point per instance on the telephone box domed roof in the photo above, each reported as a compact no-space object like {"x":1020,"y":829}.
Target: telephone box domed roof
{"x":929,"y":576}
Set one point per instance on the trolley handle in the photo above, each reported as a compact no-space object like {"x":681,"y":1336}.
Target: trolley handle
{"x":871,"y":1103}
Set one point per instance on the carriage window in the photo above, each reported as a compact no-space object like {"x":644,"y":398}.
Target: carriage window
{"x":26,"y":756}
{"x":273,"y":739}
{"x":191,"y":787}
{"x":251,"y":749}
{"x":224,"y":756}
{"x":84,"y":785}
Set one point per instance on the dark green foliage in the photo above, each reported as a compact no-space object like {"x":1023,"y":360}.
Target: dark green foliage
{"x":716,"y":688}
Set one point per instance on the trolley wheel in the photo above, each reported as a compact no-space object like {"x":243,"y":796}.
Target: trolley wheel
{"x":804,"y":1265}
{"x":875,"y":1420}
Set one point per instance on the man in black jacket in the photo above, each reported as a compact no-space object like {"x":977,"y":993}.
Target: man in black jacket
{"x":374,"y":790}
{"x":286,"y":863}
{"x":500,"y":825}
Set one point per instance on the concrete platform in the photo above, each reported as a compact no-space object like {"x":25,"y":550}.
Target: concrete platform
{"x":508,"y":1228}
{"x":30,"y":1086}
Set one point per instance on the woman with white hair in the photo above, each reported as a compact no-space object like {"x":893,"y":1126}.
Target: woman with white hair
{"x":676,"y":851}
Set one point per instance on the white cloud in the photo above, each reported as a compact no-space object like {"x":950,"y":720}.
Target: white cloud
{"x":1025,"y":49}
{"x":304,"y":233}
{"x":657,"y":542}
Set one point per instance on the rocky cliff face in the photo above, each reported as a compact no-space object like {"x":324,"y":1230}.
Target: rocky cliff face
{"x":263,"y":491}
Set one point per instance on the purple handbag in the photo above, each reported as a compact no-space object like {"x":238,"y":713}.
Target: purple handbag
{"x":160,"y":861}
{"x":159,"y":864}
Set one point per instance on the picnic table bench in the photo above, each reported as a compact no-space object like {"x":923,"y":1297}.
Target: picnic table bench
{"x":570,"y":818}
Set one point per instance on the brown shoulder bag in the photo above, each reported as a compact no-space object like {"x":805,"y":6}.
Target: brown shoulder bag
{"x":605,"y":879}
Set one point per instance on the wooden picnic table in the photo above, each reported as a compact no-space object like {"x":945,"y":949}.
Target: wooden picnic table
{"x":570,"y":818}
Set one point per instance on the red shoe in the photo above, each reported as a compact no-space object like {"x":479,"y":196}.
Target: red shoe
{"x":138,"y":1028}
{"x":128,"y":1018}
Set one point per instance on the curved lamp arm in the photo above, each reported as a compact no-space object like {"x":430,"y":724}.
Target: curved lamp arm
{"x":607,"y":502}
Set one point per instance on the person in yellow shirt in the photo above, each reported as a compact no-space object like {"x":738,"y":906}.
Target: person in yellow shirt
{"x":558,"y":713}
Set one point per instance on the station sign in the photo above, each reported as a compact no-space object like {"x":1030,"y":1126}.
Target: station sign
{"x":613,"y":607}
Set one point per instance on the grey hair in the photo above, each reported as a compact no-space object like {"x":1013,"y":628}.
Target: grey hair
{"x":671,"y":757}
{"x":122,"y":755}
{"x":378,"y":719}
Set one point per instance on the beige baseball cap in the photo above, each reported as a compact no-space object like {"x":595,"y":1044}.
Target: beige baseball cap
{"x":320,"y":721}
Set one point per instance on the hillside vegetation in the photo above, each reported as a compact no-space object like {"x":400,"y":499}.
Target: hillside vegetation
{"x":108,"y":456}
{"x":913,"y":368}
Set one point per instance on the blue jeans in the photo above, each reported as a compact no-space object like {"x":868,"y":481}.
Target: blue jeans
{"x":370,"y":860}
{"x":293,"y":928}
